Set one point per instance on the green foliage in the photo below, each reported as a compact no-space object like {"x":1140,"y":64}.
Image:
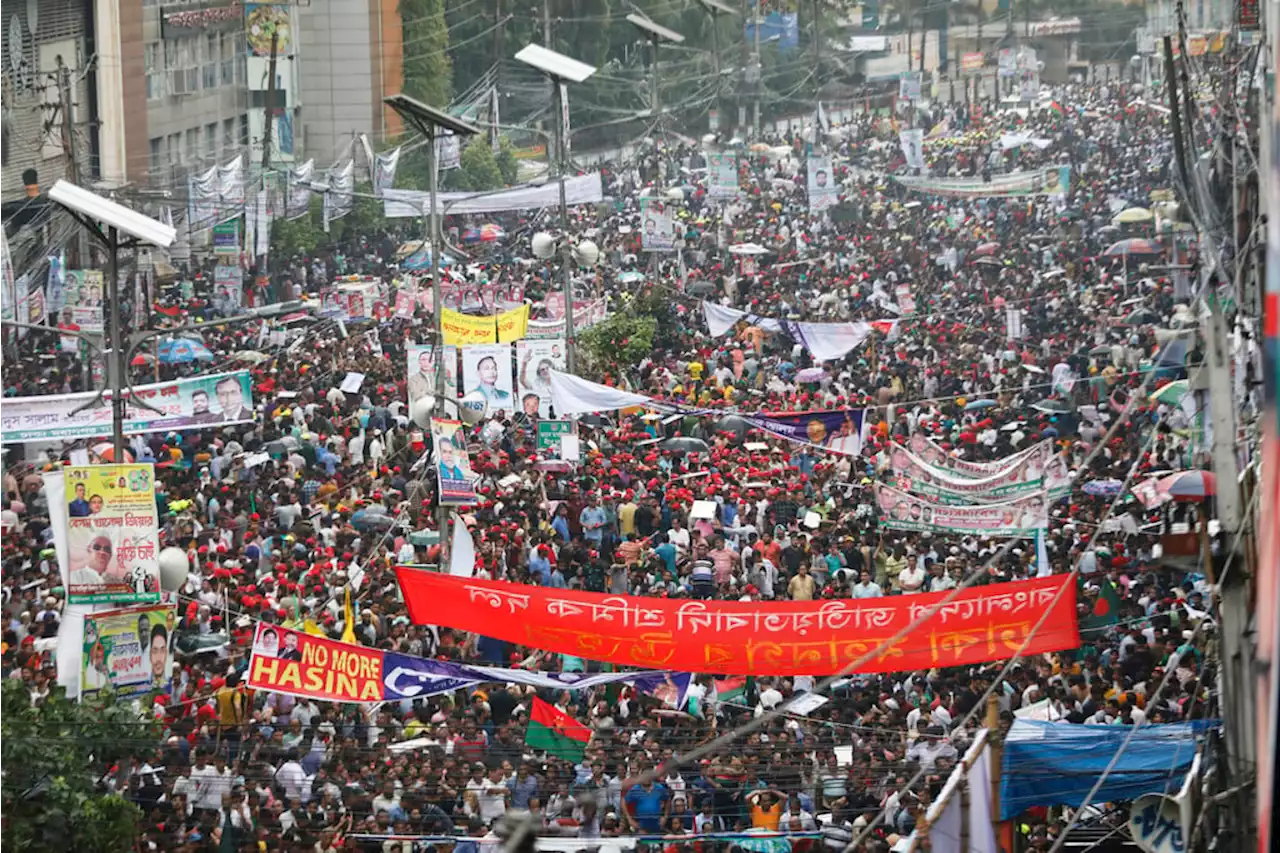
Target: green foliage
{"x":428,"y":70}
{"x":622,"y":340}
{"x":54,"y":753}
{"x":508,"y":165}
{"x":478,"y":170}
{"x":365,"y":217}
{"x":299,"y":236}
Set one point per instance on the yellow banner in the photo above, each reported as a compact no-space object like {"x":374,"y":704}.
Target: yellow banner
{"x":513,"y":325}
{"x":462,"y":329}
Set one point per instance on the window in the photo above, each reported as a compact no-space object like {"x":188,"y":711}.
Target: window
{"x":191,"y":153}
{"x":211,"y":139}
{"x":228,"y":134}
{"x":228,"y":57}
{"x":241,"y":61}
{"x":153,"y":57}
{"x":212,"y":57}
{"x":173,"y":150}
{"x":244,"y":129}
{"x":156,"y":161}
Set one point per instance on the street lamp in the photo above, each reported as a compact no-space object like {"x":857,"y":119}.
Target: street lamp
{"x":656,"y":33}
{"x":561,"y":70}
{"x":116,"y":227}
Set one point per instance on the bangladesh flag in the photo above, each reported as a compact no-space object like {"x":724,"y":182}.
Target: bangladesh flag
{"x":556,"y":733}
{"x":1106,"y":608}
{"x":732,"y":689}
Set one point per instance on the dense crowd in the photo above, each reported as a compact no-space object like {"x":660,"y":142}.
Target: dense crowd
{"x":344,"y":493}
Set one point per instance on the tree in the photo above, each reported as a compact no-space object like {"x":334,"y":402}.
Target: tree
{"x":428,"y":70}
{"x":508,"y":165}
{"x":298,"y":236}
{"x":619,"y":341}
{"x":478,"y":170}
{"x":54,"y":754}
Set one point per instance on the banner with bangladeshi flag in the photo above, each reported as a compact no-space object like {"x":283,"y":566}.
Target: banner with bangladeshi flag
{"x":556,"y":733}
{"x":756,"y":638}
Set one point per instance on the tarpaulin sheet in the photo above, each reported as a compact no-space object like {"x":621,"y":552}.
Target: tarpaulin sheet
{"x":1051,"y":764}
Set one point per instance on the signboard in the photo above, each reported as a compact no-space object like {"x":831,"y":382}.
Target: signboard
{"x":226,"y":239}
{"x":972,"y":63}
{"x":128,"y":651}
{"x":909,"y":86}
{"x":453,"y":466}
{"x":112,"y":531}
{"x":657,"y":226}
{"x":549,"y":433}
{"x":177,"y":22}
{"x":192,"y":403}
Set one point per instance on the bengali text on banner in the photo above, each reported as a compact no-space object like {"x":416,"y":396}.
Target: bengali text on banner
{"x":193,"y":403}
{"x":750,"y":638}
{"x":1029,"y":474}
{"x":1021,"y":517}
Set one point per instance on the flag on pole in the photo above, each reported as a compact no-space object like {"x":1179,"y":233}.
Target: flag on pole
{"x":1043,"y":569}
{"x":556,"y":733}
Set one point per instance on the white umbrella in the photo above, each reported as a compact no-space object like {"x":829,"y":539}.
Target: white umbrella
{"x":748,"y":249}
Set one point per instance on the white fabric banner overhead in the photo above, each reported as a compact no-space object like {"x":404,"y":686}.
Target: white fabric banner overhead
{"x":384,"y":171}
{"x":413,"y":204}
{"x":721,"y":319}
{"x":572,"y":395}
{"x":827,"y":341}
{"x":462,"y":553}
{"x":339,"y":200}
{"x":298,"y":198}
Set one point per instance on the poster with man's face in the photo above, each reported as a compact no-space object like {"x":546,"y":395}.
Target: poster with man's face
{"x":421,"y":371}
{"x":657,"y":226}
{"x":822,"y":190}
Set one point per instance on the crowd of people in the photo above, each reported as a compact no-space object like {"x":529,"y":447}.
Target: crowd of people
{"x":345,"y":492}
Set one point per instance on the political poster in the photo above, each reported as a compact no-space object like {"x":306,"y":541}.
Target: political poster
{"x":1020,"y":517}
{"x":463,"y":329}
{"x":912,"y":142}
{"x":823,"y":190}
{"x":1031,"y":474}
{"x":722,"y":176}
{"x":112,"y":530}
{"x":83,"y":295}
{"x":300,"y":664}
{"x":972,"y":62}
{"x":535,"y":359}
{"x":1049,"y":181}
{"x":226,"y":239}
{"x":906,"y":302}
{"x":909,"y":86}
{"x":657,"y":230}
{"x":1006,"y":62}
{"x":486,"y":370}
{"x":129,"y":652}
{"x":422,"y":376}
{"x":228,"y":286}
{"x":192,"y":403}
{"x":453,"y":466}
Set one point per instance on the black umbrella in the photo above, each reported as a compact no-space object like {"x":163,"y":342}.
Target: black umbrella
{"x":734,"y":424}
{"x":684,"y":444}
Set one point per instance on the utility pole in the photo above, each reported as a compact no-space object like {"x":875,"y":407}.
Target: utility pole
{"x":68,"y":129}
{"x":566,"y":262}
{"x":270,"y":109}
{"x":817,"y":63}
{"x":756,"y":75}
{"x":743,"y":81}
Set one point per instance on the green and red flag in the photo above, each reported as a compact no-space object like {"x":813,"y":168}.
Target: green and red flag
{"x":732,"y":689}
{"x":1104,"y":610}
{"x":556,"y":733}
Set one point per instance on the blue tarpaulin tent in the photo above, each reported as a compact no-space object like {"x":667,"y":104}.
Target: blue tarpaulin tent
{"x":1051,"y":764}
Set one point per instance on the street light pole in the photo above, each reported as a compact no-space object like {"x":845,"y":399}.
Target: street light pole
{"x":566,"y":263}
{"x":117,"y":365}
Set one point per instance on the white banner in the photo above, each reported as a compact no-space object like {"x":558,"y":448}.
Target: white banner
{"x":414,"y":204}
{"x":535,"y":361}
{"x":912,"y":142}
{"x":384,"y":171}
{"x":1013,"y":323}
{"x":901,"y":511}
{"x":1031,"y":472}
{"x":338,"y":200}
{"x":722,"y":176}
{"x":573,"y":395}
{"x":658,"y":227}
{"x":823,"y":190}
{"x":298,"y":197}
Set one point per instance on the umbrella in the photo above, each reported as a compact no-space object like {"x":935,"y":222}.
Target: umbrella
{"x":759,"y":148}
{"x":249,"y":356}
{"x":987,"y":260}
{"x":406,"y":249}
{"x":183,"y":351}
{"x":142,"y":359}
{"x":987,"y":249}
{"x":1133,"y":246}
{"x":1141,"y":317}
{"x":373,"y":518}
{"x":747,"y":249}
{"x":1052,"y":407}
{"x":421,"y":260}
{"x":486,"y":233}
{"x":1195,"y":485}
{"x":811,"y":374}
{"x":1104,"y":350}
{"x":630,"y":277}
{"x":1103,"y":488}
{"x":1132,"y":215}
{"x":734,"y":424}
{"x":1171,"y":393}
{"x":106,"y":451}
{"x":684,"y":444}
{"x":979,"y":404}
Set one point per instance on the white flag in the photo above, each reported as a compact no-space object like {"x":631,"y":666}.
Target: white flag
{"x":462,"y":551}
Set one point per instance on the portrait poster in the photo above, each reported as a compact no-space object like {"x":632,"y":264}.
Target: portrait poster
{"x":84,"y":294}
{"x":228,"y":286}
{"x":722,"y":175}
{"x":657,"y":226}
{"x":112,"y":531}
{"x":422,"y":377}
{"x":821,"y":183}
{"x":535,"y":359}
{"x":128,"y":651}
{"x":1021,"y":517}
{"x":486,"y":369}
{"x":453,"y":466}
{"x":300,"y":664}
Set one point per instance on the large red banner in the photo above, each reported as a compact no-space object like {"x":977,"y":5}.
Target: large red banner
{"x":747,"y":638}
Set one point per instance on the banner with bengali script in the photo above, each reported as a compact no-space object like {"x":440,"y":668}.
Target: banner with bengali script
{"x":1030,"y":473}
{"x":192,"y":403}
{"x":465,"y":329}
{"x":112,"y":530}
{"x":722,"y":175}
{"x":128,"y":651}
{"x":1050,"y":181}
{"x":753,"y":638}
{"x":1021,"y":517}
{"x":836,"y":430}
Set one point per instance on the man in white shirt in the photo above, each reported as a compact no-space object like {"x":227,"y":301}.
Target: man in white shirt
{"x":208,"y":783}
{"x":911,"y":578}
{"x":292,"y":778}
{"x":866,"y":587}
